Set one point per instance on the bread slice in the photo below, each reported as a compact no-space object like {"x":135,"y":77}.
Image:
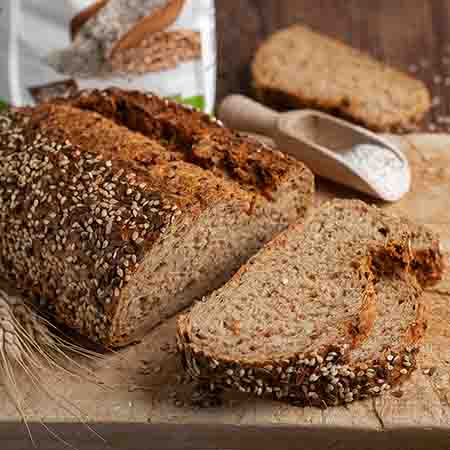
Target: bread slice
{"x":120,"y":218}
{"x":327,"y":313}
{"x":297,"y":67}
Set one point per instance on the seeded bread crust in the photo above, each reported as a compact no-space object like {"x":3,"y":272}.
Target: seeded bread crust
{"x":92,"y":211}
{"x":194,"y":137}
{"x":330,"y":374}
{"x":297,"y":67}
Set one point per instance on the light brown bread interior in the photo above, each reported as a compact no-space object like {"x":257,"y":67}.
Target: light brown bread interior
{"x":297,"y":67}
{"x":345,"y":286}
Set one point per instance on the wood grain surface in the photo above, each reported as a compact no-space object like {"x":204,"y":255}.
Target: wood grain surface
{"x":412,"y":35}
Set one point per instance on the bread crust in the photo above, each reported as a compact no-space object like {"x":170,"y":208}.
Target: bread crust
{"x":96,"y":192}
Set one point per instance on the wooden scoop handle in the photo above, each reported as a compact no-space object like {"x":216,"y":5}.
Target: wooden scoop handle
{"x":244,"y":114}
{"x":159,"y":20}
{"x":83,"y":16}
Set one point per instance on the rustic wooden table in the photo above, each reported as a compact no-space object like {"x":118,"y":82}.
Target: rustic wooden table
{"x":413,"y":35}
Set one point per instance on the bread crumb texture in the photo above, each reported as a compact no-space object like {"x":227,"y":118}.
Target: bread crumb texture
{"x":297,"y":67}
{"x":327,"y":313}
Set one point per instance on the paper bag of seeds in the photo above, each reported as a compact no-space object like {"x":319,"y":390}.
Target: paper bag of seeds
{"x":53,"y":48}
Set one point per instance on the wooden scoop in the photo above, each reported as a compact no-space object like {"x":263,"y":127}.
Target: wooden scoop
{"x":332,"y":148}
{"x":157,"y":21}
{"x":83,"y":16}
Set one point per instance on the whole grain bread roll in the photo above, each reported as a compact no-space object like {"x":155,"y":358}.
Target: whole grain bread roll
{"x":328,"y":312}
{"x":297,"y":67}
{"x":117,"y":209}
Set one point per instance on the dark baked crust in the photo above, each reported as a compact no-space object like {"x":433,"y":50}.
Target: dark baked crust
{"x":299,"y":379}
{"x":84,"y":199}
{"x":192,"y":136}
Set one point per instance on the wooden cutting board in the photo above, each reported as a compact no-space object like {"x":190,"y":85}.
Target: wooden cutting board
{"x":140,"y":412}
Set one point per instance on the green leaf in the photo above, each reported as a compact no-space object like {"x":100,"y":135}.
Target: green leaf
{"x":3,"y":104}
{"x":197,"y":101}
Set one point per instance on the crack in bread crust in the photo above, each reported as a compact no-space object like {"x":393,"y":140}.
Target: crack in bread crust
{"x":191,"y":136}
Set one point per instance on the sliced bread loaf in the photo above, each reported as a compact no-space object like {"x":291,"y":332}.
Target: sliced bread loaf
{"x":297,"y":67}
{"x":327,"y":313}
{"x":120,"y":218}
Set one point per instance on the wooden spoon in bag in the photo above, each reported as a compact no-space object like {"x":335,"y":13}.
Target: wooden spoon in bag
{"x":158,"y":20}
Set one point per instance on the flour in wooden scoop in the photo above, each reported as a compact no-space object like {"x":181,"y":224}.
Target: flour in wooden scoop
{"x":381,"y":168}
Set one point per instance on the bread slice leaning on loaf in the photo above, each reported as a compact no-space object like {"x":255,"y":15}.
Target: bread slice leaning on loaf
{"x":327,"y":313}
{"x":118,"y":209}
{"x":297,"y":67}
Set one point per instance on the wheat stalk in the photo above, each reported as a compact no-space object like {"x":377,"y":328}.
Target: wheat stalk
{"x":31,"y":344}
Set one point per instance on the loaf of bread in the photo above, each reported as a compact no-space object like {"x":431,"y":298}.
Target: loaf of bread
{"x":327,"y":313}
{"x":298,"y":68}
{"x":117,"y":209}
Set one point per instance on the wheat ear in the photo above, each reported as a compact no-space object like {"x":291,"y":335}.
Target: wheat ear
{"x":30,"y":343}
